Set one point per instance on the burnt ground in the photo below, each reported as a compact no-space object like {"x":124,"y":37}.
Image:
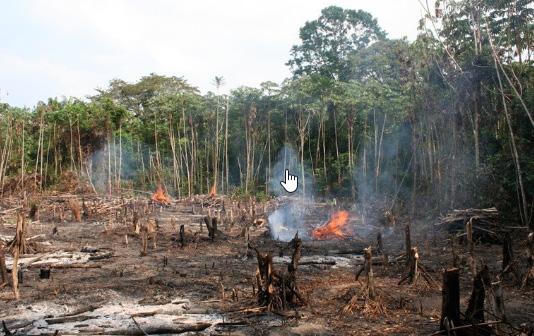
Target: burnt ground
{"x":206,"y":287}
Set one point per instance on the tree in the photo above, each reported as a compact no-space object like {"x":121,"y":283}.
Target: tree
{"x":327,"y":42}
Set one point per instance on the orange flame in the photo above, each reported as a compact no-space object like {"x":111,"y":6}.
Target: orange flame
{"x":160,"y":196}
{"x":213,"y":191}
{"x":333,"y":229}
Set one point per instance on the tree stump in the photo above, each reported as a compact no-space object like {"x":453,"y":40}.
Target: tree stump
{"x":450,"y":304}
{"x":471,"y":245}
{"x":74,"y":206}
{"x":367,"y":270}
{"x":530,"y":260}
{"x":475,"y":309}
{"x":292,"y":293}
{"x":278,"y":290}
{"x":413,"y":267}
{"x":379,"y":243}
{"x":211,"y":225}
{"x":182,"y":236}
{"x":507,"y":253}
{"x":3,"y":268}
{"x":454,"y":250}
{"x":135,"y":222}
{"x":18,"y":247}
{"x":34,"y":212}
{"x":19,"y":241}
{"x":498,"y":301}
{"x":407,"y":243}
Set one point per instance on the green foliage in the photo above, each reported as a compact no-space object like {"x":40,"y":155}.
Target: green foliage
{"x":328,"y":42}
{"x":376,"y":119}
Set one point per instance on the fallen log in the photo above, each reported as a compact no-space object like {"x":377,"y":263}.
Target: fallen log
{"x":69,"y":319}
{"x":65,"y":266}
{"x":157,"y":330}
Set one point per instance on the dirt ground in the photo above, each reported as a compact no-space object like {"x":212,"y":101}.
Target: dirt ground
{"x":206,"y":287}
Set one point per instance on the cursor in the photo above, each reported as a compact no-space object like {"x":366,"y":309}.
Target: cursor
{"x":290,"y":183}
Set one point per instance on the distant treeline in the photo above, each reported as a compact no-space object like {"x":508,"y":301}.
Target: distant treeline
{"x":441,"y":122}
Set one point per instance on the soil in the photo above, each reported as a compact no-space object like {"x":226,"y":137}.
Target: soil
{"x":206,"y":287}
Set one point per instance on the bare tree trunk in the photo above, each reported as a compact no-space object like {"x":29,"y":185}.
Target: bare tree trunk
{"x":80,"y":155}
{"x":336,"y":142}
{"x":119,"y":175}
{"x":414,"y":168}
{"x":44,"y":179}
{"x":216,"y":147}
{"x":5,"y":154}
{"x":109,"y":166}
{"x":72,"y":163}
{"x":523,"y":206}
{"x":268,"y":177}
{"x":172,"y":140}
{"x":324,"y":153}
{"x":22,"y":155}
{"x":226,"y":167}
{"x":377,"y":164}
{"x":302,"y":126}
{"x":186,"y":157}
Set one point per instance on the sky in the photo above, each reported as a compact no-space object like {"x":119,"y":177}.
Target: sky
{"x":63,"y":48}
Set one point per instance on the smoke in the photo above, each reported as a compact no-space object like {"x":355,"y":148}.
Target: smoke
{"x":118,"y":159}
{"x":289,"y":217}
{"x":381,"y":177}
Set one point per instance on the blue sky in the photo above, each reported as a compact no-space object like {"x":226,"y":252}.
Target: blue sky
{"x":56,"y":48}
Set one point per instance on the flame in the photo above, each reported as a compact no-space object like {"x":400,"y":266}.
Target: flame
{"x":333,"y":228}
{"x":160,"y":196}
{"x":213,"y":191}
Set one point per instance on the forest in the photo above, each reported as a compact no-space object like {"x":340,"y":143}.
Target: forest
{"x":403,"y":135}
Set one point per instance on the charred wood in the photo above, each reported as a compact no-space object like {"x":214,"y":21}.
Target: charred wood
{"x":450,"y":306}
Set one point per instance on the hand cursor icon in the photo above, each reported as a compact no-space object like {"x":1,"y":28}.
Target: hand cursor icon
{"x":290,"y":183}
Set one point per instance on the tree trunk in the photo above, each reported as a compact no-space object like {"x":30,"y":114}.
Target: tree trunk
{"x":450,"y":306}
{"x":227,"y":169}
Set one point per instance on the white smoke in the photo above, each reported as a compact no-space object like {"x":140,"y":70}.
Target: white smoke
{"x":288,"y":218}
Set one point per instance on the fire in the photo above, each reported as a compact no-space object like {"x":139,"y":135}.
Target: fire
{"x":334,"y":228}
{"x":213,"y":191}
{"x":160,"y":196}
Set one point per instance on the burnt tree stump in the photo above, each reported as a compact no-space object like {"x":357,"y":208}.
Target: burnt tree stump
{"x":290,"y":280}
{"x":44,"y":273}
{"x":278,"y":290}
{"x":530,"y":260}
{"x":182,"y":236}
{"x":211,"y":225}
{"x":379,"y":243}
{"x":450,"y":304}
{"x":475,"y":308}
{"x":471,"y":245}
{"x":3,"y":268}
{"x":498,"y":301}
{"x":367,"y":270}
{"x":34,"y":212}
{"x":407,"y":243}
{"x":507,"y":253}
{"x":413,"y":267}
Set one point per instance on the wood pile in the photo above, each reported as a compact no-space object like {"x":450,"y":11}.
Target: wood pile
{"x":486,"y":224}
